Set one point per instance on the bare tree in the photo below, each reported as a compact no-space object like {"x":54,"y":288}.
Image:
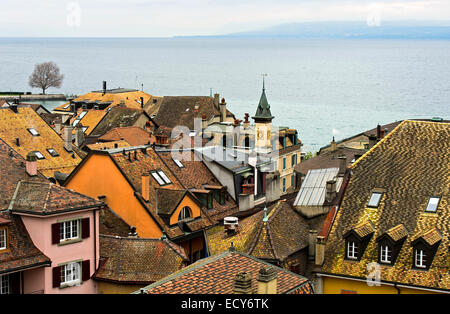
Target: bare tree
{"x":46,"y":75}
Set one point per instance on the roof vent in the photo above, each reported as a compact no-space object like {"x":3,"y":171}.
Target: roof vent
{"x":231,"y":225}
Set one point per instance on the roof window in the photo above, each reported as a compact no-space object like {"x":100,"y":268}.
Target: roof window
{"x":33,"y":132}
{"x":179,"y":164}
{"x":164,"y":177}
{"x":52,"y":152}
{"x":39,"y":155}
{"x":433,"y":204}
{"x":375,"y":199}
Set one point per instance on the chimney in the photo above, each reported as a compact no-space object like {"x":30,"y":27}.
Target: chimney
{"x":333,"y":145}
{"x":79,"y":135}
{"x":242,"y":283}
{"x":132,"y":233}
{"x":122,"y":103}
{"x":67,"y":136}
{"x":31,"y":164}
{"x":204,"y":121}
{"x":223,"y":110}
{"x":372,"y":141}
{"x":246,"y":120}
{"x":231,"y":225}
{"x":331,"y":190}
{"x":17,"y":141}
{"x":104,"y":87}
{"x":142,"y":102}
{"x":378,"y":131}
{"x":320,"y":250}
{"x":342,"y":165}
{"x":267,"y":280}
{"x":57,"y":127}
{"x":312,"y":244}
{"x":146,"y":186}
{"x":216,"y":100}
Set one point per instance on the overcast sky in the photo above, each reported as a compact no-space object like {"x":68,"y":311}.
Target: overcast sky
{"x":161,"y":18}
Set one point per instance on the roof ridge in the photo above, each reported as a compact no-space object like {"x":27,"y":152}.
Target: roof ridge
{"x":47,"y":197}
{"x":378,"y":144}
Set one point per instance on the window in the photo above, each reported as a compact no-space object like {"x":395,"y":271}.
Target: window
{"x":33,"y":132}
{"x":164,"y":177}
{"x":284,"y":163}
{"x":158,"y":178}
{"x":4,"y":284}
{"x":293,"y":181}
{"x":374,"y":199}
{"x":52,"y":152}
{"x":185,"y":214}
{"x":352,"y":250}
{"x":75,"y":122}
{"x":284,"y":184}
{"x":81,"y":116}
{"x":385,"y":254}
{"x":39,"y":155}
{"x":179,"y":164}
{"x":420,"y":260}
{"x":71,"y":274}
{"x":433,"y":204}
{"x":67,"y":106}
{"x":69,"y":230}
{"x":196,"y":256}
{"x":3,"y":239}
{"x":294,"y":160}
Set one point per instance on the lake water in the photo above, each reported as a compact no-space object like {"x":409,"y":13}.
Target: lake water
{"x":320,"y":87}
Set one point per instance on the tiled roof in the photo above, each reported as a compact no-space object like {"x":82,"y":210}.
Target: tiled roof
{"x":16,"y":125}
{"x":328,"y":159}
{"x":180,"y":110}
{"x":364,"y":229}
{"x":194,"y":175}
{"x":12,"y":170}
{"x":117,"y":117}
{"x":48,"y":198}
{"x":134,"y":135}
{"x":168,"y":200}
{"x":131,"y":98}
{"x":21,"y":253}
{"x":135,"y":260}
{"x":216,"y":274}
{"x":410,"y":164}
{"x":112,"y":224}
{"x":397,"y":233}
{"x":90,"y":119}
{"x":285,"y":233}
{"x":108,"y":145}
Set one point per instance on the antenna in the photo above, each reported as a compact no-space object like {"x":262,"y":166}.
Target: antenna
{"x":210,"y":92}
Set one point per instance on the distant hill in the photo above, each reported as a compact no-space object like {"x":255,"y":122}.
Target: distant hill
{"x":387,"y":29}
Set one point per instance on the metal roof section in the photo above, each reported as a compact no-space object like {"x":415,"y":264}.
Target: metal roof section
{"x":314,"y":187}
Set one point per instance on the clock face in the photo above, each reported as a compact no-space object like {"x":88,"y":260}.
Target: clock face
{"x":260,"y":135}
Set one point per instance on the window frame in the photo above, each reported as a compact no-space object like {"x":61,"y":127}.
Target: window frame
{"x":437,"y":205}
{"x":157,"y":178}
{"x":386,"y":254}
{"x":354,"y":256}
{"x":41,"y":157}
{"x":182,"y":214}
{"x":31,"y":130}
{"x":164,"y":177}
{"x":4,"y":234}
{"x":5,"y":285}
{"x":64,"y":271}
{"x":379,"y":199}
{"x":63,"y":231}
{"x":54,"y":154}
{"x":179,"y":163}
{"x":284,"y":184}
{"x":423,"y":260}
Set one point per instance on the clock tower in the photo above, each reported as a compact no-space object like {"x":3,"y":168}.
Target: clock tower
{"x":263,"y":124}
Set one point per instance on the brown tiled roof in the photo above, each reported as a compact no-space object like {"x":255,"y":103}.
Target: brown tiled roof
{"x":134,"y":135}
{"x":327,"y":159}
{"x":21,"y":252}
{"x":168,"y":200}
{"x":195,"y":175}
{"x":411,"y":164}
{"x":115,"y":118}
{"x":16,"y":125}
{"x":285,"y":233}
{"x":397,"y":233}
{"x":216,"y":274}
{"x":108,"y":145}
{"x":432,"y":237}
{"x":138,"y":261}
{"x":48,"y":198}
{"x":12,"y":170}
{"x":180,"y":110}
{"x":112,"y":224}
{"x":90,"y":120}
{"x":364,"y":229}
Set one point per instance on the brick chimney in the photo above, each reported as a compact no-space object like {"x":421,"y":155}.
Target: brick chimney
{"x":79,"y":135}
{"x":67,"y":136}
{"x":267,"y":280}
{"x":320,"y":250}
{"x":331,"y":190}
{"x":333,"y":145}
{"x":57,"y":127}
{"x":142,"y":102}
{"x":242,"y":283}
{"x":223,"y":110}
{"x":342,"y":165}
{"x":31,"y":164}
{"x":246,"y":120}
{"x":146,"y":186}
{"x":378,"y":131}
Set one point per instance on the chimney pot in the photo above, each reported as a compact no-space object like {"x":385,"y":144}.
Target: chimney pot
{"x":17,"y":141}
{"x":146,"y":186}
{"x":267,"y":280}
{"x":68,"y":137}
{"x":242,"y":283}
{"x":372,"y":141}
{"x":320,"y":250}
{"x":31,"y":164}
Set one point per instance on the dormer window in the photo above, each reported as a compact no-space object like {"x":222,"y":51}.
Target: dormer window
{"x":33,"y":132}
{"x":4,"y":284}
{"x":419,"y":258}
{"x":425,"y":248}
{"x":185,"y":213}
{"x":433,"y":204}
{"x":390,"y":244}
{"x":52,"y":152}
{"x":375,"y":199}
{"x":3,"y":239}
{"x":352,"y":250}
{"x":386,"y":254}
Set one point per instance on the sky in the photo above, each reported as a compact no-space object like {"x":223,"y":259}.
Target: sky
{"x":166,"y":18}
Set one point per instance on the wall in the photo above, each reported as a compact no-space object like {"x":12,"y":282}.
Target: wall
{"x":289,"y":171}
{"x":225,"y":177}
{"x":34,"y":281}
{"x":187,"y":201}
{"x":99,"y":176}
{"x":336,"y":285}
{"x":113,"y":288}
{"x":40,"y":232}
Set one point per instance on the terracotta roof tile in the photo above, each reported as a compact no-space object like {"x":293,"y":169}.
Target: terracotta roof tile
{"x":134,"y":135}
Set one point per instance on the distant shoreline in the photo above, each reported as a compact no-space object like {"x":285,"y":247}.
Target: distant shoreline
{"x":34,"y":97}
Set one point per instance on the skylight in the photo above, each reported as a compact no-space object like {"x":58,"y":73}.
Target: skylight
{"x":375,"y":199}
{"x":39,"y":155}
{"x":179,"y":164}
{"x":76,"y":122}
{"x":158,"y":179}
{"x":81,"y":116}
{"x":66,"y":106}
{"x":52,"y":152}
{"x":165,"y":178}
{"x":433,"y":204}
{"x":33,"y":132}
